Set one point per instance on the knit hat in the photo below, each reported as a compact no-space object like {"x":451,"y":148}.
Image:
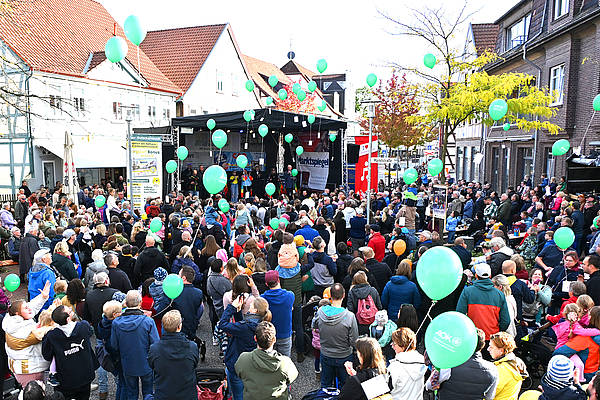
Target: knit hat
{"x":299,"y":240}
{"x":160,"y":274}
{"x":560,"y":369}
{"x":271,"y":277}
{"x":119,"y":296}
{"x":68,"y":233}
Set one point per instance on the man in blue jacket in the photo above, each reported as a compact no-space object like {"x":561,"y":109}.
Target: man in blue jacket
{"x":307,"y":232}
{"x":173,"y":360}
{"x":357,"y":231}
{"x":281,"y":302}
{"x":189,"y":302}
{"x":132,"y":335}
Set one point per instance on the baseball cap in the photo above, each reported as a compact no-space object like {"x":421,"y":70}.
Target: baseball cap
{"x":271,"y":277}
{"x":68,"y":233}
{"x":327,"y":293}
{"x":483,"y":270}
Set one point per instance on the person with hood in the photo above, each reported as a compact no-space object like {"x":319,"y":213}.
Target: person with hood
{"x":407,"y":369}
{"x":561,"y":381}
{"x":132,"y":334}
{"x":96,"y":266}
{"x":241,"y":330}
{"x":377,"y":242}
{"x":281,"y":302}
{"x":484,"y":304}
{"x":23,"y":338}
{"x":184,"y":259}
{"x":173,"y":359}
{"x":266,"y":374}
{"x":361,"y":290}
{"x":69,"y":346}
{"x":338,"y":332}
{"x":161,"y":301}
{"x":511,"y":369}
{"x":149,"y":259}
{"x":400,"y":290}
{"x":324,"y":268}
{"x":242,"y":236}
{"x":500,"y":253}
{"x":40,"y":274}
{"x":29,"y":245}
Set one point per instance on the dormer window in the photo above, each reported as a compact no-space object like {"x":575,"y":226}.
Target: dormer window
{"x":517,"y":33}
{"x":561,"y":7}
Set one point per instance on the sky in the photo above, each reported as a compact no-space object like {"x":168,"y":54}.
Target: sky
{"x":351,"y":35}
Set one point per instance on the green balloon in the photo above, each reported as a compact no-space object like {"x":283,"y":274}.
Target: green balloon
{"x":223,"y":205}
{"x":219,"y":138}
{"x":182,"y":152}
{"x":282,"y":93}
{"x":410,"y":175}
{"x":214,"y":179}
{"x":249,"y":85}
{"x":248,"y":115}
{"x":564,"y":237}
{"x":155,"y":225}
{"x":597,"y":222}
{"x":171,"y":166}
{"x":371,"y":80}
{"x":311,"y":118}
{"x":289,"y":137}
{"x":296,"y":88}
{"x":299,"y":150}
{"x":332,"y":137}
{"x":172,"y":286}
{"x":100,"y":201}
{"x":115,"y":49}
{"x":312,"y":86}
{"x":321,"y":65}
{"x":274,"y":223}
{"x":597,"y":103}
{"x":270,"y":188}
{"x":322,"y":106}
{"x":263,"y":130}
{"x":450,"y":339}
{"x":560,"y":147}
{"x":210,"y":124}
{"x":241,"y":161}
{"x":498,"y":109}
{"x":301,"y":95}
{"x":437,"y":282}
{"x":435,"y":166}
{"x":294,"y":172}
{"x":133,"y":30}
{"x":269,"y":101}
{"x":506,"y":126}
{"x":12,"y":282}
{"x":429,"y":60}
{"x":273,"y":81}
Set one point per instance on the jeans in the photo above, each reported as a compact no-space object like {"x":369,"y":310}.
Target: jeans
{"x":297,"y":325}
{"x":451,"y":236}
{"x":235,"y":384}
{"x":234,"y":192}
{"x":284,"y":346}
{"x":132,"y":386}
{"x":332,"y":368}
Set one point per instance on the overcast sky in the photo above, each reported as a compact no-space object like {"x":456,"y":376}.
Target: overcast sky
{"x":350,"y":35}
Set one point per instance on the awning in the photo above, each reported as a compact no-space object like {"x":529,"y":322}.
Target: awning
{"x":102,"y":152}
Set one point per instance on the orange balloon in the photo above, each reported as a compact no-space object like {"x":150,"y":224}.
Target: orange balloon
{"x":399,"y":247}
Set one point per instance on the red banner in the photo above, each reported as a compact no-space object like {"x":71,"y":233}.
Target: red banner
{"x":362,"y":172}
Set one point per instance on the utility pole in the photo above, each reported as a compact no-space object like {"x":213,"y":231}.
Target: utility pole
{"x":370,"y":114}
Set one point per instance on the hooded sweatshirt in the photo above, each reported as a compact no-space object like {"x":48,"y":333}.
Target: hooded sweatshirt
{"x":338,"y":331}
{"x":511,"y":373}
{"x":407,"y":372}
{"x":486,"y":306}
{"x":266,"y":374}
{"x":281,"y":302}
{"x":38,"y":275}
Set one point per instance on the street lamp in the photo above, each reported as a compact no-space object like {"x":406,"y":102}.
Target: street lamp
{"x":370,"y":103}
{"x":128,"y":119}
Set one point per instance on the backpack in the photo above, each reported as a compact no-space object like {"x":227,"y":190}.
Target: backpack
{"x":365,"y":313}
{"x":322,"y":394}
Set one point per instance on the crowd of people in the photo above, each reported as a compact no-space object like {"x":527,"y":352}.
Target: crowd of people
{"x":297,"y":276}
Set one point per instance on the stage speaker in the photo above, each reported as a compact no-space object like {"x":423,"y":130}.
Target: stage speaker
{"x":353,"y":150}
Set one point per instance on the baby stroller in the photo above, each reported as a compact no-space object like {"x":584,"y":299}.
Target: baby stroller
{"x":536,"y":351}
{"x":211,"y":383}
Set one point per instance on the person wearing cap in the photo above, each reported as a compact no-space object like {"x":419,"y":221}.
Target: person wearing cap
{"x":484,"y":304}
{"x":377,"y":242}
{"x":561,"y":381}
{"x":357,"y":231}
{"x":307,"y":232}
{"x":281,"y":302}
{"x":39,"y":274}
{"x":29,"y":245}
{"x":14,"y":244}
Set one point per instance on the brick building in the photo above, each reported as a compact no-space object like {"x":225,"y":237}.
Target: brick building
{"x":556,"y":41}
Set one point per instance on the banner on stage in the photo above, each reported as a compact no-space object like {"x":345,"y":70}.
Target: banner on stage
{"x":146,"y":162}
{"x":314,"y":170}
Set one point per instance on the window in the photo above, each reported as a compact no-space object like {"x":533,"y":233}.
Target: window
{"x":561,"y":7}
{"x":135,"y":111}
{"x":466,"y":161}
{"x":78,"y":103}
{"x":516,"y":34}
{"x":117,"y":110}
{"x":56,"y":102}
{"x":495,"y":167}
{"x":459,"y":162}
{"x":524,"y":162}
{"x":506,"y":159}
{"x":151,"y":111}
{"x":548,"y":161}
{"x":557,"y":77}
{"x":166,"y":113}
{"x":235,"y":84}
{"x":219,"y":82}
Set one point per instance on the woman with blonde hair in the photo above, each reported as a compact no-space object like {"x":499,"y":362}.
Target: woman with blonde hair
{"x":371,"y":365}
{"x":502,"y":283}
{"x":407,"y":369}
{"x":100,"y":236}
{"x":61,"y":261}
{"x":138,"y":235}
{"x":232,"y":269}
{"x":511,"y":369}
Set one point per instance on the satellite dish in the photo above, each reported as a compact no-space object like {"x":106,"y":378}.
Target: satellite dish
{"x":291,"y":55}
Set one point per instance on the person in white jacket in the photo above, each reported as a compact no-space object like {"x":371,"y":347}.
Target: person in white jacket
{"x":24,"y":338}
{"x":407,"y":369}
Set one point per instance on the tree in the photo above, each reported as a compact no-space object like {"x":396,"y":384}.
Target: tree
{"x":293,"y":104}
{"x":397,"y":101}
{"x":459,"y":89}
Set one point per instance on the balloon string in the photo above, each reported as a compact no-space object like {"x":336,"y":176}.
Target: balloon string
{"x":139,"y":66}
{"x":187,"y":253}
{"x":586,"y":130}
{"x":427,"y":316}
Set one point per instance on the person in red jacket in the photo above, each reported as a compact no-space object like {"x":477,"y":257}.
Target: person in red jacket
{"x":377,"y":242}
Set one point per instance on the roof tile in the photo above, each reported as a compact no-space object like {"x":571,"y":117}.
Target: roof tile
{"x":485,"y":37}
